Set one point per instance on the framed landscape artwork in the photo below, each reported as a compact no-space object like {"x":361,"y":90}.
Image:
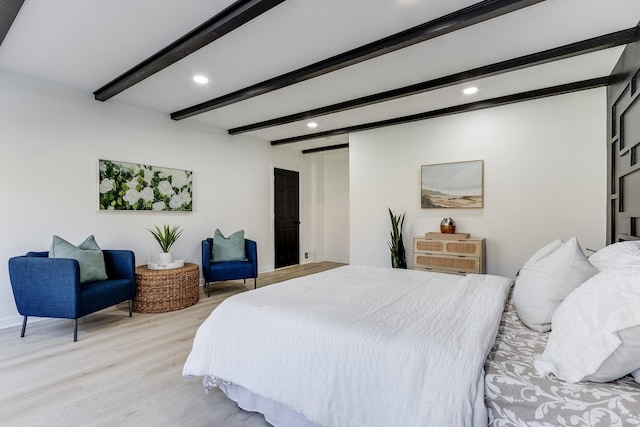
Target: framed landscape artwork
{"x":452,"y":185}
{"x":135,"y":187}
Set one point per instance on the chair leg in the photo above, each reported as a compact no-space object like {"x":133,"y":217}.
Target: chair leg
{"x":255,"y":283}
{"x":24,"y":326}
{"x":130,"y":308}
{"x":75,"y":330}
{"x":206,"y":286}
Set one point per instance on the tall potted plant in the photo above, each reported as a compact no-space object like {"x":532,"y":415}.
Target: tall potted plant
{"x":396,"y":244}
{"x":166,"y":237}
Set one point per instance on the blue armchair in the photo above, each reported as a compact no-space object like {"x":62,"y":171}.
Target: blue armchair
{"x":229,"y":270}
{"x":50,"y":287}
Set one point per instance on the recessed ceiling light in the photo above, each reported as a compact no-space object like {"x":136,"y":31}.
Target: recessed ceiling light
{"x":312,"y":125}
{"x":470,"y":90}
{"x":200,"y":79}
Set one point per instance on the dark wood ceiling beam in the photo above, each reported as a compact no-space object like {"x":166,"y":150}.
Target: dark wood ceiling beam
{"x":607,"y":41}
{"x":474,"y":106}
{"x":8,"y":11}
{"x":462,"y":18}
{"x":231,"y":18}
{"x":326,"y":148}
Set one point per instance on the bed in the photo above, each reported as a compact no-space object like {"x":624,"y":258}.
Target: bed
{"x":356,"y":346}
{"x":366,"y":346}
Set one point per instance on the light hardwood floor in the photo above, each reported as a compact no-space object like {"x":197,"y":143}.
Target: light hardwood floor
{"x":122,"y":371}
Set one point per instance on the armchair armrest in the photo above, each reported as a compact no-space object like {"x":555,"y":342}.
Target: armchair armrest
{"x":251,"y":251}
{"x":120,"y":264}
{"x":206,"y":258}
{"x":46,"y":287}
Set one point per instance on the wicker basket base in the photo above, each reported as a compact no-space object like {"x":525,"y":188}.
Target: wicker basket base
{"x":160,"y":291}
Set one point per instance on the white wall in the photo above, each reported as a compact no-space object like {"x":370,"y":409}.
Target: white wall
{"x":51,"y":140}
{"x":331,"y":206}
{"x":544,"y":178}
{"x":336,"y":206}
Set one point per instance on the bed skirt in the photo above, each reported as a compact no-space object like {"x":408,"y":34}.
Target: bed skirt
{"x":275,"y":413}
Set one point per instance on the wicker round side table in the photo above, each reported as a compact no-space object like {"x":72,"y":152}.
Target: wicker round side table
{"x":160,"y":291}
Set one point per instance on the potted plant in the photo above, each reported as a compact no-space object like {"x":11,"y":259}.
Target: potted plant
{"x":166,"y":237}
{"x":398,"y":254}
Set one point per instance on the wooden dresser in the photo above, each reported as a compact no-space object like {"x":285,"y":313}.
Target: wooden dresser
{"x":449,"y":256}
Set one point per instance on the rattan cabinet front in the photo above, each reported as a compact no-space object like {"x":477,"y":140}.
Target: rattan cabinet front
{"x":449,"y":256}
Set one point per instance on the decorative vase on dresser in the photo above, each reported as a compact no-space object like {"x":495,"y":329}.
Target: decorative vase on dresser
{"x":448,"y":226}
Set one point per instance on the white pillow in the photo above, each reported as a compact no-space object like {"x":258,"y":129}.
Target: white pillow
{"x":596,"y":330}
{"x":617,"y":255}
{"x":546,"y":279}
{"x":546,"y":250}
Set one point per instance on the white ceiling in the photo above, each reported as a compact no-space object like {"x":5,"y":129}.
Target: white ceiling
{"x":85,"y":44}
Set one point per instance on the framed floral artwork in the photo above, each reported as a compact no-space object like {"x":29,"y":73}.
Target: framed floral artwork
{"x":452,"y":185}
{"x":135,"y":187}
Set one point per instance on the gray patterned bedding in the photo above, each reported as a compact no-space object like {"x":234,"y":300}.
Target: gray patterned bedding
{"x":516,"y":395}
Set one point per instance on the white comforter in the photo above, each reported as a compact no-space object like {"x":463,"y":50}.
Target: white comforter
{"x":360,"y":346}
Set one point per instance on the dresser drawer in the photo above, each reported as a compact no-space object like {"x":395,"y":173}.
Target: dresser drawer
{"x":448,"y":263}
{"x":454,"y":247}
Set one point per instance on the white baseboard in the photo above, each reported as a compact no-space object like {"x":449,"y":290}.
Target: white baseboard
{"x":342,"y":261}
{"x":10,"y":322}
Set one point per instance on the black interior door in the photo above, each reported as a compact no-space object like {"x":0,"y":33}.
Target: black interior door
{"x":287,"y":217}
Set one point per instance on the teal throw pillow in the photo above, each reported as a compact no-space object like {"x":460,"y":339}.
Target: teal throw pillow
{"x":228,"y":248}
{"x":88,"y":254}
